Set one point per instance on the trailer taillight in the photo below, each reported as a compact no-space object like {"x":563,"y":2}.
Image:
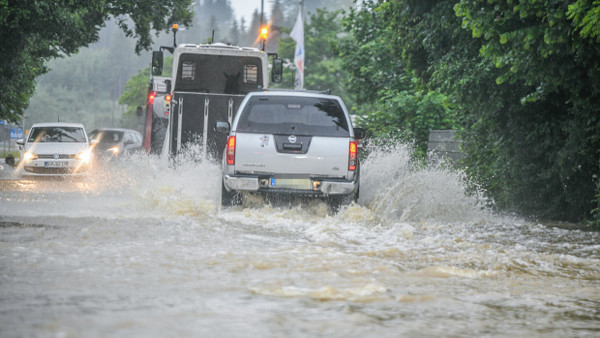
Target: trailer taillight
{"x":353,"y":156}
{"x":231,"y":150}
{"x":151,"y":97}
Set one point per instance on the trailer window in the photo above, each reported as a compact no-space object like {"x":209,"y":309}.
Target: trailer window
{"x":220,"y":74}
{"x":251,"y":74}
{"x":188,"y":69}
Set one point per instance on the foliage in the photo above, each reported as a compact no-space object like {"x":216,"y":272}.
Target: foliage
{"x":34,"y":32}
{"x":136,"y":90}
{"x":398,"y":103}
{"x":86,"y":87}
{"x":550,"y":128}
{"x":586,"y":17}
{"x":417,"y":112}
{"x":522,"y":77}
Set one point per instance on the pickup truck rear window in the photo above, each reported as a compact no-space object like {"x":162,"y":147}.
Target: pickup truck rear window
{"x":309,"y":116}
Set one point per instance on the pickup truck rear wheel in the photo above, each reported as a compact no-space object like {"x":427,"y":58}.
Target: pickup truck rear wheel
{"x":335,"y":202}
{"x":229,"y":198}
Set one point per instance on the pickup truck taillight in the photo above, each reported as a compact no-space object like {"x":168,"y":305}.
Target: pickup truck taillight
{"x":230,"y":150}
{"x":353,"y":156}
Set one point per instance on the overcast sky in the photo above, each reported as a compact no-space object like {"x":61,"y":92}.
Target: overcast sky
{"x":245,"y":8}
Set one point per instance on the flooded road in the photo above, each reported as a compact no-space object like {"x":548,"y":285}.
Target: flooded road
{"x":145,"y":250}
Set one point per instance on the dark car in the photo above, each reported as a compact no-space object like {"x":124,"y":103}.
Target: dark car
{"x":111,"y":143}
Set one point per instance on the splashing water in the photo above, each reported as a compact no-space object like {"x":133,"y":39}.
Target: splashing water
{"x":392,"y":189}
{"x":142,"y":247}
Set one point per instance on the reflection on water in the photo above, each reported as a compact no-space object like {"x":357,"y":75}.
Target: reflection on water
{"x":142,"y":248}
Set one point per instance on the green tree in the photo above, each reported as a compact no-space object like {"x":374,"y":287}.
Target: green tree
{"x":85,"y":87}
{"x":34,"y":32}
{"x":389,"y":72}
{"x":586,"y":17}
{"x":522,"y":76}
{"x":136,"y":90}
{"x":548,"y":125}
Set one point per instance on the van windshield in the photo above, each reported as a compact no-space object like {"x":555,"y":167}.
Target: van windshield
{"x":308,"y":116}
{"x":57,"y":134}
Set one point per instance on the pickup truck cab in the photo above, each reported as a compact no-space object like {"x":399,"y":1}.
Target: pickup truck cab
{"x":293,"y":143}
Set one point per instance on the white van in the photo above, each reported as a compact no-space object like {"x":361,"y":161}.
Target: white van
{"x":55,"y":149}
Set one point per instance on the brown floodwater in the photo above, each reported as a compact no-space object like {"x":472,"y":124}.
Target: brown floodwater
{"x":141,"y":248}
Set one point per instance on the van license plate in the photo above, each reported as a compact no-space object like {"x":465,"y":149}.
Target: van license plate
{"x":56,"y":164}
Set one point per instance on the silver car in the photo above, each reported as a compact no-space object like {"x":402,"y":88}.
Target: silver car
{"x":291,"y":143}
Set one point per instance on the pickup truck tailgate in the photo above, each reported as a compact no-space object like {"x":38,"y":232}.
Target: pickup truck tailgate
{"x":324,"y":156}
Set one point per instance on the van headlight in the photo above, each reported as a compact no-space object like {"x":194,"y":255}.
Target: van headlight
{"x":28,"y":156}
{"x":85,"y":155}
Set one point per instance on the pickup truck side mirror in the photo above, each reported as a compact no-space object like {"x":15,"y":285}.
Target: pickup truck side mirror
{"x":20,"y":142}
{"x":222,"y":127}
{"x":360,"y":133}
{"x":277,"y":70}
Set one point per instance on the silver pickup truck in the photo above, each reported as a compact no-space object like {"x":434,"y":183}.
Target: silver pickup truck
{"x":291,"y":143}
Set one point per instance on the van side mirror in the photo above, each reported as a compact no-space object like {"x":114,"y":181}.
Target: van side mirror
{"x":360,"y":133}
{"x":222,"y":127}
{"x":277,"y":70}
{"x":157,"y":63}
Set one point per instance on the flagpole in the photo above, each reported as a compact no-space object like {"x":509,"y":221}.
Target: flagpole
{"x":297,"y":34}
{"x":303,"y":50}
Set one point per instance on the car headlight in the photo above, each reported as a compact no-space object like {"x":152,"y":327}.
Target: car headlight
{"x":85,"y":155}
{"x":114,"y":150}
{"x":28,"y":156}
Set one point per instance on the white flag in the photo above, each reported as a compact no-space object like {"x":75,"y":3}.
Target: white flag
{"x":297,"y":35}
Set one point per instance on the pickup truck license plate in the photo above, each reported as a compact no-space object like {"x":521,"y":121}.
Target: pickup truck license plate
{"x":291,"y":183}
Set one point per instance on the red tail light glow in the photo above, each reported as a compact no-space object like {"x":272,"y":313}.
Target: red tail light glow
{"x":230,"y":150}
{"x":353,"y":156}
{"x":151,"y":97}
